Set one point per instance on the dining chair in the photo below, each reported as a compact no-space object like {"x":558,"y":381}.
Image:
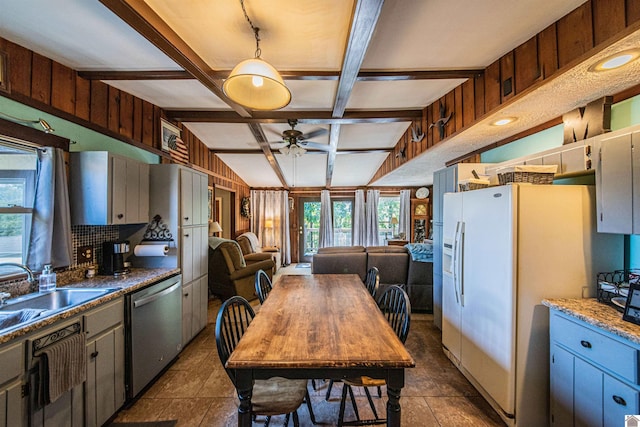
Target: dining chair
{"x":263,"y":285}
{"x":274,"y":396}
{"x":396,"y":308}
{"x":372,"y":282}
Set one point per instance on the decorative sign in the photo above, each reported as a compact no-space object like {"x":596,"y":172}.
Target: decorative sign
{"x":585,"y":122}
{"x":157,"y":230}
{"x":173,"y":143}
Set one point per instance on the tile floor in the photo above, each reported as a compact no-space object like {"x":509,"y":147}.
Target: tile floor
{"x":196,"y":391}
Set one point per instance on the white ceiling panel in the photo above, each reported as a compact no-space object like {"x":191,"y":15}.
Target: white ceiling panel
{"x":171,"y":94}
{"x":309,"y":35}
{"x":308,"y":170}
{"x":356,"y":169}
{"x":83,"y":35}
{"x":311,"y":94}
{"x":228,"y":136}
{"x":396,"y":95}
{"x":252,"y":168}
{"x":418,"y":34}
{"x":371,"y":135}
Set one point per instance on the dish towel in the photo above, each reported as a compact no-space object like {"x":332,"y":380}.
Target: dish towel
{"x":63,"y":365}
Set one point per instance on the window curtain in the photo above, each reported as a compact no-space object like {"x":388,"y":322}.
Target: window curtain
{"x":359,"y":220}
{"x":270,"y":220}
{"x":50,"y":240}
{"x":326,"y":220}
{"x":404,"y":222}
{"x":371,"y":218}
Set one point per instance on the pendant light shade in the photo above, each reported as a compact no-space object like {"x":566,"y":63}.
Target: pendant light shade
{"x":255,"y":84}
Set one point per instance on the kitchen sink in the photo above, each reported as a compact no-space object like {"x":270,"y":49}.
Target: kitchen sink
{"x":26,"y":309}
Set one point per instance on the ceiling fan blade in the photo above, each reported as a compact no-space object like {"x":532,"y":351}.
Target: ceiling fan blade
{"x":277,"y":145}
{"x":316,"y":146}
{"x":314,"y":133}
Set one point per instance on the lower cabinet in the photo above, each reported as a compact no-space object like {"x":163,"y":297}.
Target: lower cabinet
{"x":12,"y":405}
{"x":195,"y":298}
{"x":105,"y":385}
{"x":594,"y":375}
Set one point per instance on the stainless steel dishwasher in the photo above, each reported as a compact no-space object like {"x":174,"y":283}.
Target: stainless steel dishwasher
{"x":154,"y":331}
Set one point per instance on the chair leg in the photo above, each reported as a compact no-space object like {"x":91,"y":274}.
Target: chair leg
{"x":353,"y":402}
{"x":326,"y":397}
{"x":296,"y":421}
{"x":266,"y":421}
{"x":373,"y":408}
{"x":286,"y":420}
{"x":312,"y":416}
{"x":313,"y":384}
{"x":379,"y":391}
{"x":343,"y":401}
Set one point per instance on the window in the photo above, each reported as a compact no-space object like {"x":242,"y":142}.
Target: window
{"x":17,"y":189}
{"x":342,"y":222}
{"x":388,"y":208}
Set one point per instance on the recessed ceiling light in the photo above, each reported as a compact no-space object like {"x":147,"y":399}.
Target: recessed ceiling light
{"x":617,"y":60}
{"x":504,"y":121}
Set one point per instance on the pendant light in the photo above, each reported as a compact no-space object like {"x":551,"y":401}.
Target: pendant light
{"x":254,"y":83}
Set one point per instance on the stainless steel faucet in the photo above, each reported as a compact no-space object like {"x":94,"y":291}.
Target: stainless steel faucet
{"x":30,"y":277}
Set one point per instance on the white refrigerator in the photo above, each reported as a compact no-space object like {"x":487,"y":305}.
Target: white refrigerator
{"x":504,"y":250}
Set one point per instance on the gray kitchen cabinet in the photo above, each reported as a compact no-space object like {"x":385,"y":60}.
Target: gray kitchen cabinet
{"x":12,"y":404}
{"x":179,"y":196}
{"x":105,"y":385}
{"x":106,"y":189}
{"x":593,"y":375}
{"x":618,"y":184}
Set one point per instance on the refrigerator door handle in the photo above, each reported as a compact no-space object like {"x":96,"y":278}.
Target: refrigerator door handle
{"x":454,"y":262}
{"x":460,"y":261}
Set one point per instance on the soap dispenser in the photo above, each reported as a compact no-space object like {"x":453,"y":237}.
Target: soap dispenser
{"x":47,"y":280}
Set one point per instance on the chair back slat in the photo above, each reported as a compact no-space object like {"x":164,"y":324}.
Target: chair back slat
{"x":396,"y":308}
{"x":233,"y":319}
{"x":372,"y":281}
{"x":263,"y":285}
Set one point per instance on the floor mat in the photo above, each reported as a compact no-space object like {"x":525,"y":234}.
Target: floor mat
{"x":303,"y":265}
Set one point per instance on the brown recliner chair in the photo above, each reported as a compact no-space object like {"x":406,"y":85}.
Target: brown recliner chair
{"x":229,"y":273}
{"x":250,"y":245}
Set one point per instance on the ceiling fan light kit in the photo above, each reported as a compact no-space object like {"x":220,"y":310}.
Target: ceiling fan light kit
{"x":254,"y":83}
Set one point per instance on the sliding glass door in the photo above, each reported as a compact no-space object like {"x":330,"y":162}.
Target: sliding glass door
{"x":309,"y":231}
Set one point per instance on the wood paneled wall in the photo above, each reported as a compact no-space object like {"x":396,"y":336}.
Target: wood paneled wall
{"x":555,"y":49}
{"x":41,"y":83}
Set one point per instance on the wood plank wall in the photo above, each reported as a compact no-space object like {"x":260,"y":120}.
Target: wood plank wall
{"x":557,"y":47}
{"x":46,"y":85}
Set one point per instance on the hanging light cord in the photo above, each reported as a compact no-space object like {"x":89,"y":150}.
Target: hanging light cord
{"x":255,"y":29}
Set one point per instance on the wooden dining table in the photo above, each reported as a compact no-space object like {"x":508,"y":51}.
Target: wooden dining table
{"x":319,"y":326}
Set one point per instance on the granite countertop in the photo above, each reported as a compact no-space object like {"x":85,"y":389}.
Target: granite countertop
{"x":136,"y":279}
{"x":603,"y":316}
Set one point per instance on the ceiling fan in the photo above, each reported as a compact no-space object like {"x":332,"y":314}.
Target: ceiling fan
{"x":296,"y":143}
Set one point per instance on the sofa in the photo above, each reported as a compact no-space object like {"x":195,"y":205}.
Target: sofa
{"x":250,"y":246}
{"x":229,"y":272}
{"x":395,"y":263}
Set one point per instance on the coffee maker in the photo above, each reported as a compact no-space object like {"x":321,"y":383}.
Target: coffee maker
{"x":113,"y":257}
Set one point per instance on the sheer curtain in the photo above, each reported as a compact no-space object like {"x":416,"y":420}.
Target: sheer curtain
{"x":50,"y":240}
{"x":270,"y":220}
{"x":371,"y":214}
{"x":359,"y":220}
{"x":404,"y":222}
{"x":326,"y":220}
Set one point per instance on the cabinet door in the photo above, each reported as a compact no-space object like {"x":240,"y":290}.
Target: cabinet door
{"x":635,"y":149}
{"x":186,"y":197}
{"x":587,"y":396}
{"x":619,"y":400}
{"x":11,"y":405}
{"x":132,"y":192}
{"x":186,"y":263}
{"x":119,"y":190}
{"x":204,"y":300}
{"x":614,"y":186}
{"x":143,"y":193}
{"x":187,"y":312}
{"x":561,"y":387}
{"x":195,"y":308}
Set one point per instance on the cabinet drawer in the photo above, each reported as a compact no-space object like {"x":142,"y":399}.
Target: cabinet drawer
{"x":619,"y":400}
{"x":11,"y":362}
{"x":609,"y":353}
{"x":104,"y":317}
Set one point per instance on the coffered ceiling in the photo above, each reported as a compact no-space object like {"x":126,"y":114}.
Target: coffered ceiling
{"x":382,"y":61}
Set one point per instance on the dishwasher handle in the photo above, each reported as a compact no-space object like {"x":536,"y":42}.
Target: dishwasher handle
{"x":151,"y":298}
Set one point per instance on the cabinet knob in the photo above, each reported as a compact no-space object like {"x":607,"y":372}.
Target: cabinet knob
{"x":585,"y":344}
{"x":186,"y":235}
{"x":94,"y":354}
{"x":120,"y":216}
{"x":186,"y":295}
{"x":619,"y":400}
{"x":186,"y":218}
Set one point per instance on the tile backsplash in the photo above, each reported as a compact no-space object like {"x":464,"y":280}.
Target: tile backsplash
{"x":91,"y":235}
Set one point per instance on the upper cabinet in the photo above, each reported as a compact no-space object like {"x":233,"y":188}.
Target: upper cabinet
{"x":193,"y":188}
{"x":106,"y":189}
{"x":618,"y":184}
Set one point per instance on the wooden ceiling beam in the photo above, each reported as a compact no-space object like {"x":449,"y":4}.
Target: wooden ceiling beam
{"x":261,"y":138}
{"x":309,"y":151}
{"x":363,"y":23}
{"x":308,"y":117}
{"x":139,"y":16}
{"x":334,"y":136}
{"x":363,"y":75}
